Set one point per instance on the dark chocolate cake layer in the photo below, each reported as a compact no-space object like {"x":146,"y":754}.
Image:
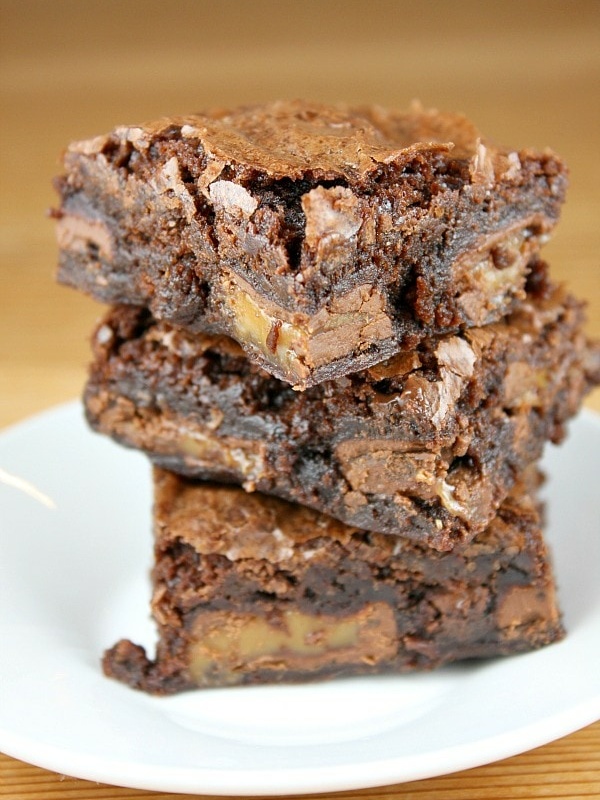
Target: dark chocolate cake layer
{"x":425,"y":445}
{"x":324,"y":239}
{"x":251,"y":589}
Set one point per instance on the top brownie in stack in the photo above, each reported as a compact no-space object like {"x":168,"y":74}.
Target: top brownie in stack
{"x":323,"y":239}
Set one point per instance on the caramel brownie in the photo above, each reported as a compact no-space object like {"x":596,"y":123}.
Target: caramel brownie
{"x":323,"y":239}
{"x":251,"y":589}
{"x":425,"y":445}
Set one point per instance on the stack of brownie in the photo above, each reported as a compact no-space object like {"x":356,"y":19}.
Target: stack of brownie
{"x":333,"y":334}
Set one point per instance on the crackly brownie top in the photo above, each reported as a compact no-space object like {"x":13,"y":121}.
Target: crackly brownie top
{"x":290,"y":139}
{"x":222,"y":519}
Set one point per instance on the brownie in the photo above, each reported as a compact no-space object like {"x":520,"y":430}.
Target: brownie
{"x":250,"y":589}
{"x":324,"y":239}
{"x":425,"y":445}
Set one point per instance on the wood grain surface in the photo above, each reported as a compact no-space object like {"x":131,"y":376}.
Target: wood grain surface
{"x":527,"y":72}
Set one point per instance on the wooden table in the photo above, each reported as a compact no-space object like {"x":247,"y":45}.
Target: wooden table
{"x":526,"y":71}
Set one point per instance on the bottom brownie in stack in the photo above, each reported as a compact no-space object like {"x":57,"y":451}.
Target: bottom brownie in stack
{"x":252,"y":589}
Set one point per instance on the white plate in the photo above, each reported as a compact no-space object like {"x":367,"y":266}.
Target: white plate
{"x":74,"y":579}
